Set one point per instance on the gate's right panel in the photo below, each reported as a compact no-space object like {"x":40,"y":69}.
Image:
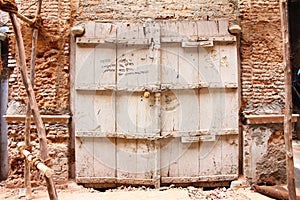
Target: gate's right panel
{"x":199,"y":102}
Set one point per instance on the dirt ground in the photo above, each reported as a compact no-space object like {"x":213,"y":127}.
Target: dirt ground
{"x":72,"y":191}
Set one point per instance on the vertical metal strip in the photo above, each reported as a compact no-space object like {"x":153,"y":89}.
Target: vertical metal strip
{"x":157,"y":97}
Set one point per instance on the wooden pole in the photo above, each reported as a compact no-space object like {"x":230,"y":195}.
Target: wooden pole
{"x":33,"y":104}
{"x":48,"y":172}
{"x":27,"y":176}
{"x":288,"y":126}
{"x":28,"y":112}
{"x":276,"y":192}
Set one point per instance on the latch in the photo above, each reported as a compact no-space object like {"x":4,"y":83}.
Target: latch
{"x":208,"y":43}
{"x":205,"y":138}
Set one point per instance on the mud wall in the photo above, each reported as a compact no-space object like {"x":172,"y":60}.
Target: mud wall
{"x":264,"y":159}
{"x":261,"y":55}
{"x":262,"y":86}
{"x":156,"y":10}
{"x":262,"y":81}
{"x":51,"y":87}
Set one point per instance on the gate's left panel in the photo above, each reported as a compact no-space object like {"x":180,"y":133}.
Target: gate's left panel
{"x":95,"y":77}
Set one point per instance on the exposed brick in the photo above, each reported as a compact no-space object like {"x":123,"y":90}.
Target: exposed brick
{"x":261,"y":56}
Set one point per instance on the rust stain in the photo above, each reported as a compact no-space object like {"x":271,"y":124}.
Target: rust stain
{"x":224,"y":61}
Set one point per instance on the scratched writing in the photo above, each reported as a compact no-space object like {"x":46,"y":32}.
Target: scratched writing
{"x":125,"y":68}
{"x":109,"y":67}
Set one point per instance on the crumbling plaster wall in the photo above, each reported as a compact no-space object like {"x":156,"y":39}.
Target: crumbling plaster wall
{"x":262,"y":78}
{"x":51,"y":87}
{"x":156,"y":10}
{"x":261,"y":63}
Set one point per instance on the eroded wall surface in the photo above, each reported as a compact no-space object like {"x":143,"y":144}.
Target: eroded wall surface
{"x":262,"y":92}
{"x":262,"y":81}
{"x":51,"y":86}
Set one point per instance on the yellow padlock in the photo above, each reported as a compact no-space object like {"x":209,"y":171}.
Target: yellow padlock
{"x":146,"y":94}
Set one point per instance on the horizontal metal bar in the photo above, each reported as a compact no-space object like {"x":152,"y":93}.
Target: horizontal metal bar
{"x":83,"y":40}
{"x":166,"y":86}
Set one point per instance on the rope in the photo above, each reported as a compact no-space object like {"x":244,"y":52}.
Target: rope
{"x":9,"y":6}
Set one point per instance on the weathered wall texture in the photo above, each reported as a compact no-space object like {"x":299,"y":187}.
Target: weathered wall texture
{"x":163,"y":9}
{"x":261,"y":67}
{"x":261,"y":54}
{"x":264,"y":160}
{"x":52,"y":63}
{"x":57,"y":135}
{"x":51,"y":88}
{"x":262,"y":89}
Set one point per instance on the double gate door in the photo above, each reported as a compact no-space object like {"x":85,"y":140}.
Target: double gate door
{"x":156,"y":103}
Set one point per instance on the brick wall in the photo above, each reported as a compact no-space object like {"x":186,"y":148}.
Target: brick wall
{"x":163,"y":9}
{"x":262,"y":76}
{"x":261,"y":55}
{"x":52,"y":63}
{"x":261,"y":52}
{"x":57,"y":135}
{"x":51,"y":87}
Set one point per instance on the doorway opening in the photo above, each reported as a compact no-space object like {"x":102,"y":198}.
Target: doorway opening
{"x":294,"y":31}
{"x":4,"y":76}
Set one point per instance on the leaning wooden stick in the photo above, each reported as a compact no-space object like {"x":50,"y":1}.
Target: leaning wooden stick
{"x":288,"y":125}
{"x":33,"y":104}
{"x":28,"y":112}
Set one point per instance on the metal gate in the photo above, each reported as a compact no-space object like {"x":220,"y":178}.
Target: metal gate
{"x":156,"y":103}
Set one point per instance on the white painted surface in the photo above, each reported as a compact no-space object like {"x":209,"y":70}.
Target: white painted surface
{"x":196,"y":100}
